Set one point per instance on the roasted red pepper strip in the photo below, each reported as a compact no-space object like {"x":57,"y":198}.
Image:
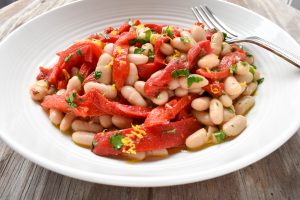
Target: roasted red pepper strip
{"x":125,"y":26}
{"x":93,"y":103}
{"x":146,"y":70}
{"x":226,"y":62}
{"x":200,"y":49}
{"x":155,"y":27}
{"x":163,"y":114}
{"x":156,"y":84}
{"x":121,"y":63}
{"x":160,"y":136}
{"x":159,"y":58}
{"x":215,"y":89}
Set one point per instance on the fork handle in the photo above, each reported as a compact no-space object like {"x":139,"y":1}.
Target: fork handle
{"x":286,"y":55}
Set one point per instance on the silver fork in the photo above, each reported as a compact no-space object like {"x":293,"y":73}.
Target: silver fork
{"x":205,"y":15}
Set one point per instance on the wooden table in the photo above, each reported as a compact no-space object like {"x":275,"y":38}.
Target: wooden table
{"x":275,"y":177}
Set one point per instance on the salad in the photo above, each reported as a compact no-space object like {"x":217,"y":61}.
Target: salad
{"x":140,"y":90}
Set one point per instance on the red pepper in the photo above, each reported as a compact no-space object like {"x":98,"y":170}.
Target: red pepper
{"x":199,"y":24}
{"x":146,"y":70}
{"x":200,"y":49}
{"x":215,"y":89}
{"x":156,"y":84}
{"x":86,"y":69}
{"x":155,"y":27}
{"x":93,"y":103}
{"x":159,"y":136}
{"x":159,"y":58}
{"x":163,"y":114}
{"x":125,"y":26}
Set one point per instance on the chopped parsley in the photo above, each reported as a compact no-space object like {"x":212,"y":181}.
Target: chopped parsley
{"x":260,"y":81}
{"x":168,"y":31}
{"x":193,"y":79}
{"x":220,"y":136}
{"x":104,"y":35}
{"x":185,"y":40}
{"x":249,"y":55}
{"x":171,"y":131}
{"x":224,"y":36}
{"x":94,"y":143}
{"x":233,"y":69}
{"x":150,"y":53}
{"x":254,"y":66}
{"x":147,"y":35}
{"x":67,"y":58}
{"x":79,"y":52}
{"x":180,"y":72}
{"x":244,"y":63}
{"x":97,"y":75}
{"x":138,"y":50}
{"x":71,"y":100}
{"x":252,"y":70}
{"x":116,"y":140}
{"x":80,"y":77}
{"x":137,"y":40}
{"x":230,"y":109}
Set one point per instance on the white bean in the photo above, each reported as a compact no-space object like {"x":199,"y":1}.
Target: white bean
{"x":139,"y":86}
{"x":106,"y":121}
{"x":243,"y":86}
{"x":138,"y":59}
{"x":83,"y":138}
{"x":226,"y":100}
{"x":216,"y":111}
{"x":226,"y":48}
{"x":133,"y":74}
{"x":244,"y":104}
{"x":232,"y":86}
{"x":55,"y":116}
{"x":108,"y":91}
{"x":131,"y":49}
{"x":256,"y":75}
{"x":104,"y":65}
{"x":66,"y":122}
{"x":247,"y":78}
{"x":133,"y":96}
{"x":180,"y":92}
{"x":211,"y":130}
{"x":197,"y":139}
{"x":147,"y":47}
{"x":235,"y":126}
{"x":181,"y":46}
{"x":250,"y":89}
{"x":198,"y":33}
{"x":228,"y":114}
{"x":166,"y":49}
{"x":61,"y":92}
{"x":74,"y":84}
{"x":208,"y":61}
{"x":216,"y":42}
{"x":121,"y":122}
{"x":187,"y":35}
{"x":39,"y":90}
{"x":80,"y":125}
{"x":201,"y":103}
{"x":173,"y":84}
{"x":138,"y":156}
{"x":242,"y":68}
{"x":161,"y":98}
{"x":109,"y":48}
{"x":198,"y":91}
{"x":184,"y":82}
{"x":157,"y":153}
{"x":203,"y":117}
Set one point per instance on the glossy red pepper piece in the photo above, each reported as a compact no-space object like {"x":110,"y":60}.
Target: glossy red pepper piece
{"x":159,"y":58}
{"x":215,"y":89}
{"x":155,"y":27}
{"x":146,"y":70}
{"x":200,"y":49}
{"x":159,"y":136}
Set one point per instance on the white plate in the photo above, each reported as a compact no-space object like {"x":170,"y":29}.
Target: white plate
{"x":26,"y":128}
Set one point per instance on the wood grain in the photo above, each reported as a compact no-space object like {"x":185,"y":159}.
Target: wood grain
{"x":275,"y":177}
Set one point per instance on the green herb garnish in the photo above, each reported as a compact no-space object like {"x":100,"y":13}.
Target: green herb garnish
{"x":193,"y":79}
{"x":147,"y":35}
{"x":104,"y":35}
{"x":180,"y":72}
{"x":137,"y":40}
{"x":79,"y":52}
{"x":80,"y":77}
{"x":185,"y":40}
{"x":116,"y":140}
{"x":138,"y":50}
{"x":254,"y":66}
{"x":249,"y":55}
{"x":171,"y":131}
{"x":233,"y":69}
{"x":150,"y":53}
{"x":97,"y":75}
{"x":220,"y":136}
{"x":71,"y":100}
{"x":260,"y":81}
{"x":230,"y":109}
{"x":67,"y":58}
{"x":252,"y":70}
{"x":224,"y":36}
{"x":168,"y":31}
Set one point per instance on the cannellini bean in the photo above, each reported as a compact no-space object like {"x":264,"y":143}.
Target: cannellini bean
{"x":184,"y":82}
{"x":211,"y":130}
{"x":181,"y":46}
{"x":256,"y":75}
{"x":83,"y":138}
{"x":66,"y":122}
{"x":39,"y":90}
{"x":201,"y":103}
{"x":249,"y":59}
{"x":138,"y":59}
{"x":166,"y":49}
{"x":235,"y":126}
{"x":61,"y":92}
{"x":242,"y":68}
{"x":198,"y":91}
{"x":106,"y":121}
{"x":203,"y":117}
{"x":232,"y":86}
{"x":104,"y":65}
{"x":80,"y":125}
{"x":74,"y":84}
{"x":228,"y":114}
{"x":198,"y":33}
{"x":133,"y":75}
{"x":131,"y":49}
{"x":216,"y":111}
{"x":147,"y":47}
{"x":55,"y":116}
{"x":209,"y":61}
{"x":226,"y":100}
{"x":158,"y":152}
{"x":197,"y":139}
{"x":216,"y":42}
{"x":180,"y":92}
{"x":139,"y":86}
{"x":247,"y":78}
{"x":161,"y":98}
{"x":138,"y":156}
{"x":173,"y":84}
{"x":250,"y":89}
{"x":244,"y":104}
{"x":108,"y":91}
{"x":188,"y":36}
{"x":109,"y":48}
{"x":121,"y":122}
{"x":226,"y":48}
{"x":243,"y":86}
{"x":133,"y":96}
